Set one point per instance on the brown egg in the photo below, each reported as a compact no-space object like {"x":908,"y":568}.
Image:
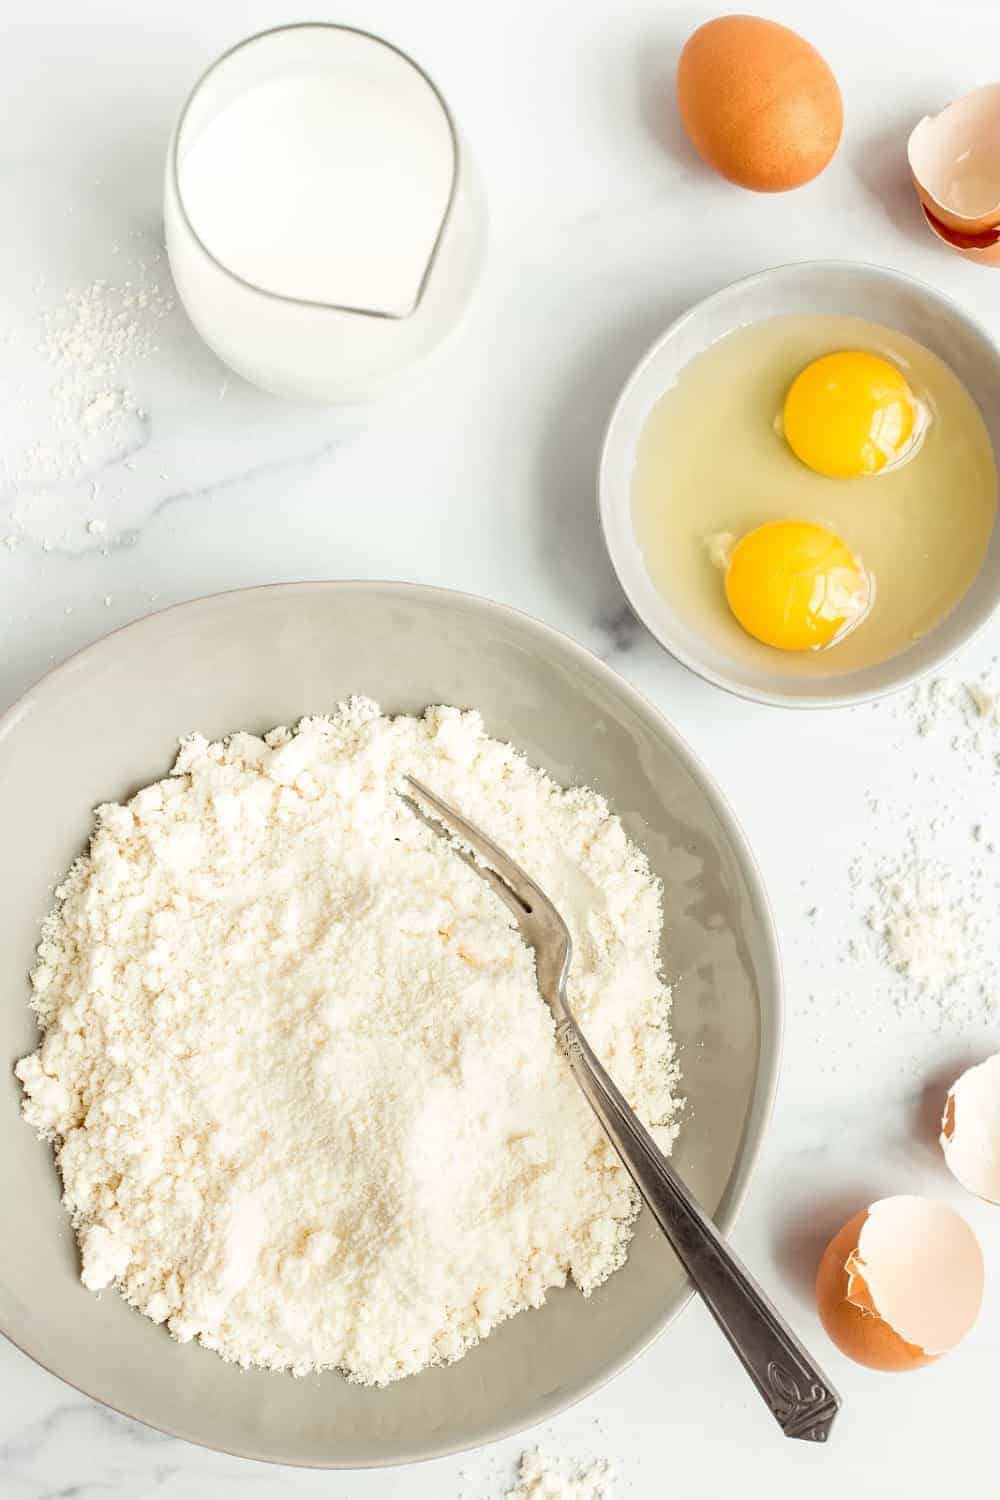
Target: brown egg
{"x":759,"y":103}
{"x":903,"y":1266}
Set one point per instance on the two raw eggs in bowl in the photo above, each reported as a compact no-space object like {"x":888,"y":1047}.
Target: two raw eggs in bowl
{"x":799,"y":483}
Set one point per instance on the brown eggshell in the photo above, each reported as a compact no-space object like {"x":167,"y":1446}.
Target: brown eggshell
{"x":937,"y":142}
{"x":759,"y":103}
{"x":983,"y":249}
{"x":853,"y":1325}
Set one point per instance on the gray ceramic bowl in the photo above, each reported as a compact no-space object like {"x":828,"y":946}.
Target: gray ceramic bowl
{"x":839,"y":287}
{"x":108,"y":720}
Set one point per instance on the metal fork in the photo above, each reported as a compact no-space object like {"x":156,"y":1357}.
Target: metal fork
{"x":798,"y":1394}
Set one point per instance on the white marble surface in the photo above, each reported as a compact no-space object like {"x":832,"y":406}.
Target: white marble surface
{"x":482,"y":477}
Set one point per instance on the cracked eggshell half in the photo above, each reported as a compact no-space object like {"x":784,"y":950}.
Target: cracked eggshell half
{"x":901,"y":1284}
{"x":954,"y":161}
{"x":970,"y":1130}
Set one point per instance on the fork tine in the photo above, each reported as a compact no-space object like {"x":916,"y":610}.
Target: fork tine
{"x":507,"y":895}
{"x":508,"y":876}
{"x":540,"y":924}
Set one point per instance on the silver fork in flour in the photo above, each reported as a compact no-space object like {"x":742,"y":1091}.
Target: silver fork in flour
{"x":799,"y":1396}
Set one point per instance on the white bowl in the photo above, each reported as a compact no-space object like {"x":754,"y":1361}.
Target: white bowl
{"x":107,"y":721}
{"x":823,"y":287}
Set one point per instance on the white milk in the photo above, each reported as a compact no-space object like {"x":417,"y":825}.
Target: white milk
{"x":324,"y":185}
{"x":323,"y":222}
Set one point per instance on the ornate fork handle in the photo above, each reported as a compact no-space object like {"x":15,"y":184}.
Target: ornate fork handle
{"x":800,"y":1398}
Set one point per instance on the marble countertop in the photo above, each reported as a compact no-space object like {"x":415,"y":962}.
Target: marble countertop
{"x":481,"y":476}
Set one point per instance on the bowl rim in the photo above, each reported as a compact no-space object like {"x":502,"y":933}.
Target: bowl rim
{"x":832,"y":697}
{"x":772,"y":1013}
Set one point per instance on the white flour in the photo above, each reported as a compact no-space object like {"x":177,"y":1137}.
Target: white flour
{"x":92,"y":339}
{"x":929,"y":918}
{"x":937,"y":915}
{"x":307,"y":1102}
{"x":925,"y":891}
{"x":544,"y":1478}
{"x":87,"y":415}
{"x":967,"y":711}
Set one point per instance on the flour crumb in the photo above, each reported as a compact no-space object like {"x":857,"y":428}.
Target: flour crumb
{"x":984,"y":699}
{"x":923,"y":894}
{"x":966,"y":710}
{"x":541,"y":1477}
{"x":926,"y":928}
{"x":929,"y":918}
{"x":307,"y":1103}
{"x":84,"y":414}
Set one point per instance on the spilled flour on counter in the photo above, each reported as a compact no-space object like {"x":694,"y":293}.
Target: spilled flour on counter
{"x":922,"y":896}
{"x":929,"y":913}
{"x":306,"y":1101}
{"x":927,"y":925}
{"x":544,"y":1478}
{"x":92,"y":338}
{"x":71,"y":407}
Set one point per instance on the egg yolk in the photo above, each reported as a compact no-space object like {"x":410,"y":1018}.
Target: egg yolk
{"x":795,"y":585}
{"x":850,"y":414}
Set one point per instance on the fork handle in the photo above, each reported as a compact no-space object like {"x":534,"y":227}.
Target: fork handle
{"x":798,"y":1394}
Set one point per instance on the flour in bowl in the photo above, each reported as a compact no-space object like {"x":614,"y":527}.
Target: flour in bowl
{"x":306,"y":1100}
